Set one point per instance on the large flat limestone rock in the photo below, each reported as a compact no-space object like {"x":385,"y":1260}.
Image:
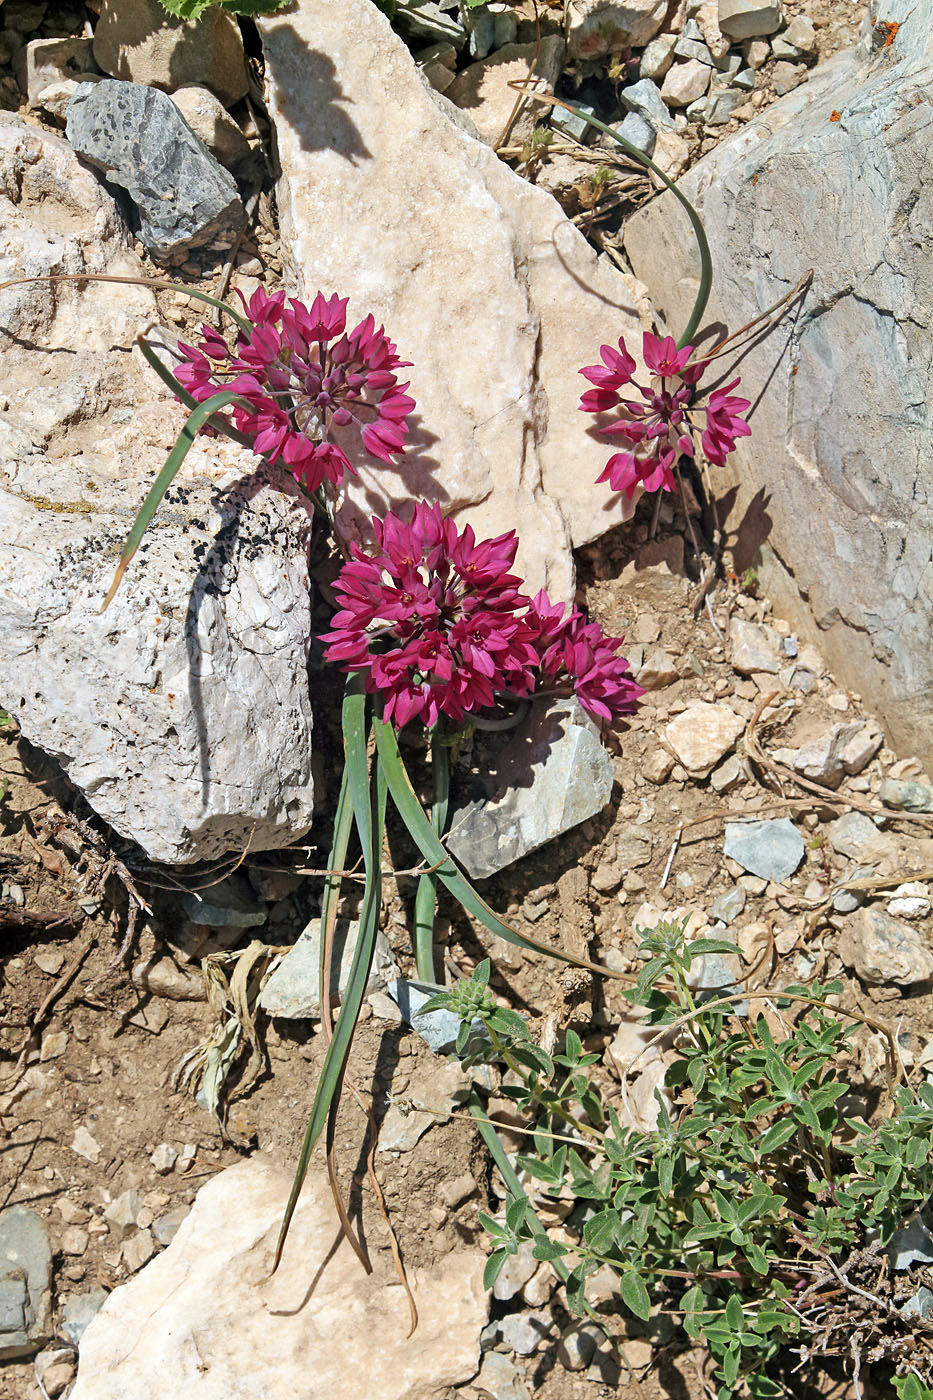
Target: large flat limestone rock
{"x":830,"y":498}
{"x":388,"y":196}
{"x":205,"y":1321}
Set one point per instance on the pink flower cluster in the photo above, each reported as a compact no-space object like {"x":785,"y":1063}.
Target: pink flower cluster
{"x":439,"y":626}
{"x":657,"y":428}
{"x":301,"y":376}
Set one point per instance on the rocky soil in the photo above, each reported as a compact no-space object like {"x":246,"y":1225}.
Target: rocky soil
{"x":103,"y":996}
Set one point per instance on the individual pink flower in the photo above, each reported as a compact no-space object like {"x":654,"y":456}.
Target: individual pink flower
{"x":724,"y":423}
{"x":656,"y":427}
{"x":301,"y":377}
{"x":434,"y":619}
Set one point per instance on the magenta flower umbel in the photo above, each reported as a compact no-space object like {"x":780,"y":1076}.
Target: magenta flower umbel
{"x":438,"y":625}
{"x":301,"y":377}
{"x":657,"y":427}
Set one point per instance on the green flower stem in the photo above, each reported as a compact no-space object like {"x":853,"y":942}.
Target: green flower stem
{"x":426,"y":896}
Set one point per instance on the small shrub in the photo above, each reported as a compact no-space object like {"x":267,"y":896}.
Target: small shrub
{"x":757,"y":1211}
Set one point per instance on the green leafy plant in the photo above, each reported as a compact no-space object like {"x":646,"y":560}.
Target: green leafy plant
{"x":756,"y":1211}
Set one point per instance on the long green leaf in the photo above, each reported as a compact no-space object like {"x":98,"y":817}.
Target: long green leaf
{"x":426,"y":894}
{"x":430,"y":846}
{"x":196,"y":420}
{"x":369,"y":804}
{"x":706,"y":257}
{"x":343,"y":823}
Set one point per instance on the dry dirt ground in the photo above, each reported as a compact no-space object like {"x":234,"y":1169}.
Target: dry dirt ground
{"x":88,"y":1058}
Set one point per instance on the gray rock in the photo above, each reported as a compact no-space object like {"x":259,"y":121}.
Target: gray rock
{"x":550,"y":773}
{"x":856,"y":836}
{"x":523,"y":1332}
{"x":770,"y":849}
{"x":847,"y":901}
{"x":230,"y":903}
{"x":749,"y":19}
{"x":754,"y":647}
{"x":885,"y":951}
{"x":644,"y":97}
{"x":729,"y":906}
{"x":911,"y":1244}
{"x":781,"y":49}
{"x":767,"y":195}
{"x":183,"y":713}
{"x":920,"y":1305}
{"x":720,"y":107}
{"x":572,"y":125}
{"x":422,"y":19}
{"x":166,"y":1227}
{"x":438,"y":1029}
{"x":843,"y":750}
{"x":500,"y":1376}
{"x":79,"y":1310}
{"x":480,"y":25}
{"x":599,"y":27}
{"x":906,"y":797}
{"x":425,"y":20}
{"x":139,"y":41}
{"x":727,"y":69}
{"x":25,"y":1281}
{"x":139,"y":140}
{"x":638,"y":133}
{"x":294,"y":989}
{"x":515,"y":1272}
{"x":691,"y":44}
{"x":578,"y":1344}
{"x":506,"y":29}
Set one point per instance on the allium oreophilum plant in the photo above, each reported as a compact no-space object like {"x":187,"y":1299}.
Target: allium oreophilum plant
{"x":755,"y":1214}
{"x":432,"y":625}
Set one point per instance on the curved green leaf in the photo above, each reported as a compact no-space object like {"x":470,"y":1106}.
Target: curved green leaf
{"x":369,"y":804}
{"x":196,"y":420}
{"x":181,"y":393}
{"x":430,"y":846}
